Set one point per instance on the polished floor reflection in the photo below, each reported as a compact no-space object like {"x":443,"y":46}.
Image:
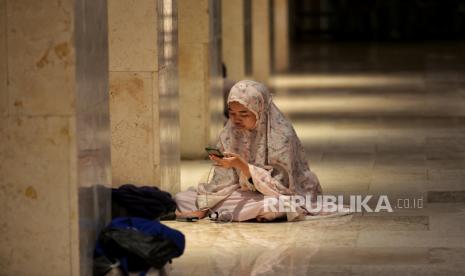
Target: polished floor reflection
{"x":374,"y":120}
{"x":426,"y":242}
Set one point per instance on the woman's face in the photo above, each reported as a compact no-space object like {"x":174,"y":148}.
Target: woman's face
{"x":241,"y":116}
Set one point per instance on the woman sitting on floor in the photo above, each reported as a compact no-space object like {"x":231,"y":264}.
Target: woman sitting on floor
{"x":263,"y":157}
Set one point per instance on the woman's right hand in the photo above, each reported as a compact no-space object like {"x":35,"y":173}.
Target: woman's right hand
{"x":232,"y":160}
{"x":215,"y":159}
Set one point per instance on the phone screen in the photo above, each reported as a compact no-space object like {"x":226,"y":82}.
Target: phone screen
{"x":214,"y":151}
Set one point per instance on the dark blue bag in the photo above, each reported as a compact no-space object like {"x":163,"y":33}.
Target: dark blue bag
{"x":137,"y":244}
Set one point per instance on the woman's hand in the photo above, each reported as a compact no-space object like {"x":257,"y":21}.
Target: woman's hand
{"x":232,"y":160}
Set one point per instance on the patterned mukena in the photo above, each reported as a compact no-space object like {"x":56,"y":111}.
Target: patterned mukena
{"x":275,"y":154}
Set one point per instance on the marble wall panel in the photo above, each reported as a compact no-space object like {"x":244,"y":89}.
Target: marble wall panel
{"x":145,"y":131}
{"x":215,"y":73}
{"x":92,"y":128}
{"x":248,"y":37}
{"x":133,"y":35}
{"x":54,"y":142}
{"x":194,"y":99}
{"x":168,"y":148}
{"x":3,"y":57}
{"x":74,"y":212}
{"x":261,"y":44}
{"x":40,"y":57}
{"x":194,"y":22}
{"x":131,"y":108}
{"x":34,"y":158}
{"x":200,"y":82}
{"x":280,"y":35}
{"x":233,"y":50}
{"x":156,"y":129}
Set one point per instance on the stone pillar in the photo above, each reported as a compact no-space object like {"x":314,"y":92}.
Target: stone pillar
{"x":281,"y":35}
{"x":138,"y":91}
{"x":261,"y":48}
{"x":232,"y":14}
{"x":199,"y":73}
{"x":54,"y":135}
{"x":217,"y":85}
{"x":168,"y":96}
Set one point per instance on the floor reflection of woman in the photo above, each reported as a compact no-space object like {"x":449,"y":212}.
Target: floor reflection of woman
{"x":263,"y":157}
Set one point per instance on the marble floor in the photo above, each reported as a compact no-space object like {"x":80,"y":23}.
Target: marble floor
{"x":375,"y":120}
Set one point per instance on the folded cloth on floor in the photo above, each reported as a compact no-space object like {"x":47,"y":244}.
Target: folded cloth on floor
{"x":144,"y":202}
{"x":136,"y":244}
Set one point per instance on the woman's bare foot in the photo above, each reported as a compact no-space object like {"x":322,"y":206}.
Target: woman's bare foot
{"x":199,"y":214}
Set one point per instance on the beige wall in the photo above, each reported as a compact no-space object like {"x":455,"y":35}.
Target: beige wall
{"x":281,"y":35}
{"x":35,"y":142}
{"x":40,"y":150}
{"x":134,"y":108}
{"x":143,"y":93}
{"x":232,"y":20}
{"x":261,"y":55}
{"x":194,"y":76}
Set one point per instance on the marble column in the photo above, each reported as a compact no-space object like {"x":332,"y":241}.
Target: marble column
{"x":199,"y":75}
{"x":143,"y":93}
{"x":168,"y":96}
{"x":233,"y":35}
{"x":280,"y":35}
{"x":261,"y":40}
{"x":217,"y":85}
{"x":54,"y":135}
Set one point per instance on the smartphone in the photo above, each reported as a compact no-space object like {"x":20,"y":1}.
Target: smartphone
{"x":187,"y":219}
{"x":215,"y":152}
